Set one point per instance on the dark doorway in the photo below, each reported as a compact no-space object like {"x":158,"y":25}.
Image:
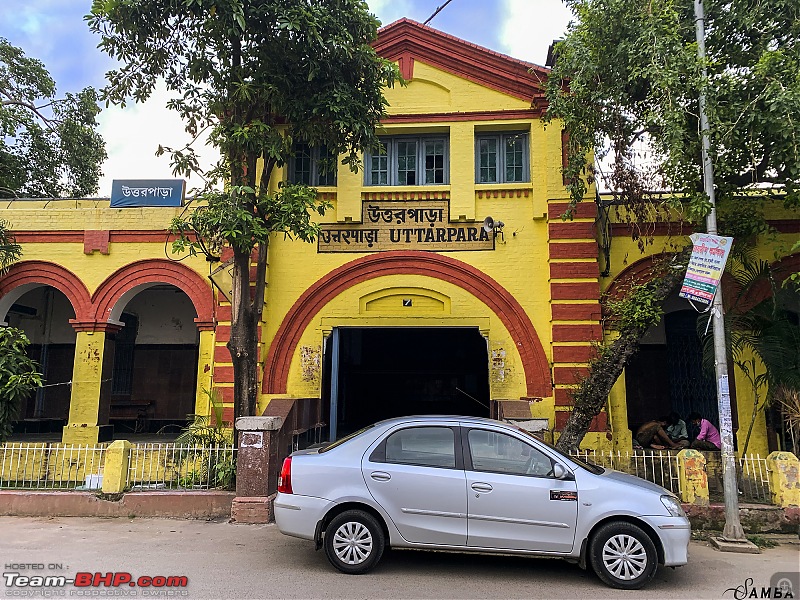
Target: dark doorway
{"x":371,"y":374}
{"x":670,"y":376}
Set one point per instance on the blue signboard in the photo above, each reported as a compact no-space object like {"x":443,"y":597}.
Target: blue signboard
{"x":126,"y":193}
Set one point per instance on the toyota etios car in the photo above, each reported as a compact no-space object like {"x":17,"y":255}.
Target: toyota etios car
{"x":475,"y":485}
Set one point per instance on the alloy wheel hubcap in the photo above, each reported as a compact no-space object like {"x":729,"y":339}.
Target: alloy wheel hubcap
{"x":624,"y":557}
{"x":352,"y":543}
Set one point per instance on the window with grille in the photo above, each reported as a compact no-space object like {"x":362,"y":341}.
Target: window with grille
{"x":314,"y":166}
{"x":407,"y":160}
{"x":502,"y":158}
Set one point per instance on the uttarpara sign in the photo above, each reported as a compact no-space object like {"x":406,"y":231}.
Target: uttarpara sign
{"x":131,"y":193}
{"x":404,"y":225}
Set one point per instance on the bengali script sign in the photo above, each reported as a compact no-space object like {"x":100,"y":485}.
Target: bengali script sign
{"x":709,"y":255}
{"x":404,"y":225}
{"x":126,"y":193}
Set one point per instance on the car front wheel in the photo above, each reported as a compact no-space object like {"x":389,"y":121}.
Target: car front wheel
{"x":354,"y":542}
{"x":623,"y":555}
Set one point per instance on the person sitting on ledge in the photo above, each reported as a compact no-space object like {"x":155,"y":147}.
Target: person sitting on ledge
{"x":708,"y":438}
{"x":676,"y":430}
{"x":652,"y":435}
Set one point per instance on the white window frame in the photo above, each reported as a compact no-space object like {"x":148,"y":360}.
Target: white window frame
{"x":315,"y":169}
{"x":500,"y":166}
{"x":391,"y":143}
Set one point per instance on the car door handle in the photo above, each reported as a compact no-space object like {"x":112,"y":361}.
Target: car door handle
{"x":380,"y":476}
{"x":482,"y":487}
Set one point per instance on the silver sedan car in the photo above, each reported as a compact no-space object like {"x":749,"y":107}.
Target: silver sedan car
{"x":467,"y":484}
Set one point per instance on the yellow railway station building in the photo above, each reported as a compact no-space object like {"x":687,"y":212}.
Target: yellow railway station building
{"x":444,"y":280}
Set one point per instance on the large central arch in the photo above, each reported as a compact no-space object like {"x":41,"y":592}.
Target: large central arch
{"x":470,"y":279}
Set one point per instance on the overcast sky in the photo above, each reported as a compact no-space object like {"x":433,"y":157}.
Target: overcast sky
{"x":54,"y":32}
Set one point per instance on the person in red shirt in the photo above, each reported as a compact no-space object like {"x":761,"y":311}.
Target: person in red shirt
{"x":708,"y":438}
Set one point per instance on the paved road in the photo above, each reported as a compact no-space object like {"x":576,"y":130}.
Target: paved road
{"x":222,"y":560}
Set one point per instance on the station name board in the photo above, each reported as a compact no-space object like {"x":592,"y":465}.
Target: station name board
{"x":404,"y":225}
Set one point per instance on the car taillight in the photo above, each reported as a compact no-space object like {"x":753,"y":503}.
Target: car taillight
{"x":285,"y":478}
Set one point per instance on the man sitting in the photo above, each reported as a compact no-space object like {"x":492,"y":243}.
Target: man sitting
{"x":652,"y":435}
{"x":708,"y":438}
{"x":676,"y":430}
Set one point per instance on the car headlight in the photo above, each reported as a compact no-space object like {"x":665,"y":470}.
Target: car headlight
{"x":673,"y":506}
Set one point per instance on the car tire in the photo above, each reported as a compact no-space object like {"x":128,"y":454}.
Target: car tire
{"x":354,"y":542}
{"x":623,"y":555}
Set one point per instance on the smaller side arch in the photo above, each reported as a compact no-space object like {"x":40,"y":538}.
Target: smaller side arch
{"x":762,"y":289}
{"x":26,"y":275}
{"x":145,"y":273}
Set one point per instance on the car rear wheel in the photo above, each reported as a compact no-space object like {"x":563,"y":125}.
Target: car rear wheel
{"x":354,"y":542}
{"x":623,"y":555}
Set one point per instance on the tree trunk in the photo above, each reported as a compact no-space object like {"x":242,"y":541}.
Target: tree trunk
{"x":243,"y":342}
{"x":590,"y":397}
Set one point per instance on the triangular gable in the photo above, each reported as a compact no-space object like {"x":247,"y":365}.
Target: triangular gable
{"x":405,"y":41}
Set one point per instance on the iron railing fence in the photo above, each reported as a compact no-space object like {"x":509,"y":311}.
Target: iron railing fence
{"x":660,"y":468}
{"x":50,"y":466}
{"x":181,"y":467}
{"x":752,"y":478}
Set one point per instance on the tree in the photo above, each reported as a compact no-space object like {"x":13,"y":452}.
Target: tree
{"x":259,"y":75}
{"x":626,"y":81}
{"x":49,"y":147}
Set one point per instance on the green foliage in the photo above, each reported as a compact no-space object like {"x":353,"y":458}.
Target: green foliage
{"x":627,"y":77}
{"x":206,"y":448}
{"x":638,"y":309}
{"x":49,"y":147}
{"x":207,"y":430}
{"x":19,"y":376}
{"x":10,"y":251}
{"x":221,"y":219}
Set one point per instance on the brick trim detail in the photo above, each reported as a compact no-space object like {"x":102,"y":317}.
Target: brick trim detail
{"x":571,"y":230}
{"x":589,"y":290}
{"x":576,"y":333}
{"x":583,"y":210}
{"x":470,"y":279}
{"x":95,"y":241}
{"x":573,"y":354}
{"x":576,"y":312}
{"x":574,"y":270}
{"x":573,"y":250}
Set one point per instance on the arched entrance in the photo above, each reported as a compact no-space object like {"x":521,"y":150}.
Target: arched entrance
{"x":42,"y":300}
{"x":154,"y":309}
{"x":434,"y":366}
{"x":474,"y":281}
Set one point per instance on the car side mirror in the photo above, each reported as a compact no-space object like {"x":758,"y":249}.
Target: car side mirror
{"x":561,"y":472}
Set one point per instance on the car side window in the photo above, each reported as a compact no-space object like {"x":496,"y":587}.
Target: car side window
{"x":496,"y":452}
{"x":422,"y":446}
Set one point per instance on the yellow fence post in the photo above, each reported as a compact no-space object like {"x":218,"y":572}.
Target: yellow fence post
{"x":115,"y":470}
{"x":693,"y":477}
{"x":784,"y":478}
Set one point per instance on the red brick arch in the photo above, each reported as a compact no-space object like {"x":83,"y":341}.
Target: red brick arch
{"x":44,"y":273}
{"x":761,"y":290}
{"x":155,"y":271}
{"x":474,"y":281}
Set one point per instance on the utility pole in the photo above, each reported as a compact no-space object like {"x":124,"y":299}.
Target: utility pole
{"x":733,"y":531}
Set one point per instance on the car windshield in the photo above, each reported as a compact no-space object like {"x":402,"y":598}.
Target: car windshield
{"x":591,"y":467}
{"x":345,"y":439}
